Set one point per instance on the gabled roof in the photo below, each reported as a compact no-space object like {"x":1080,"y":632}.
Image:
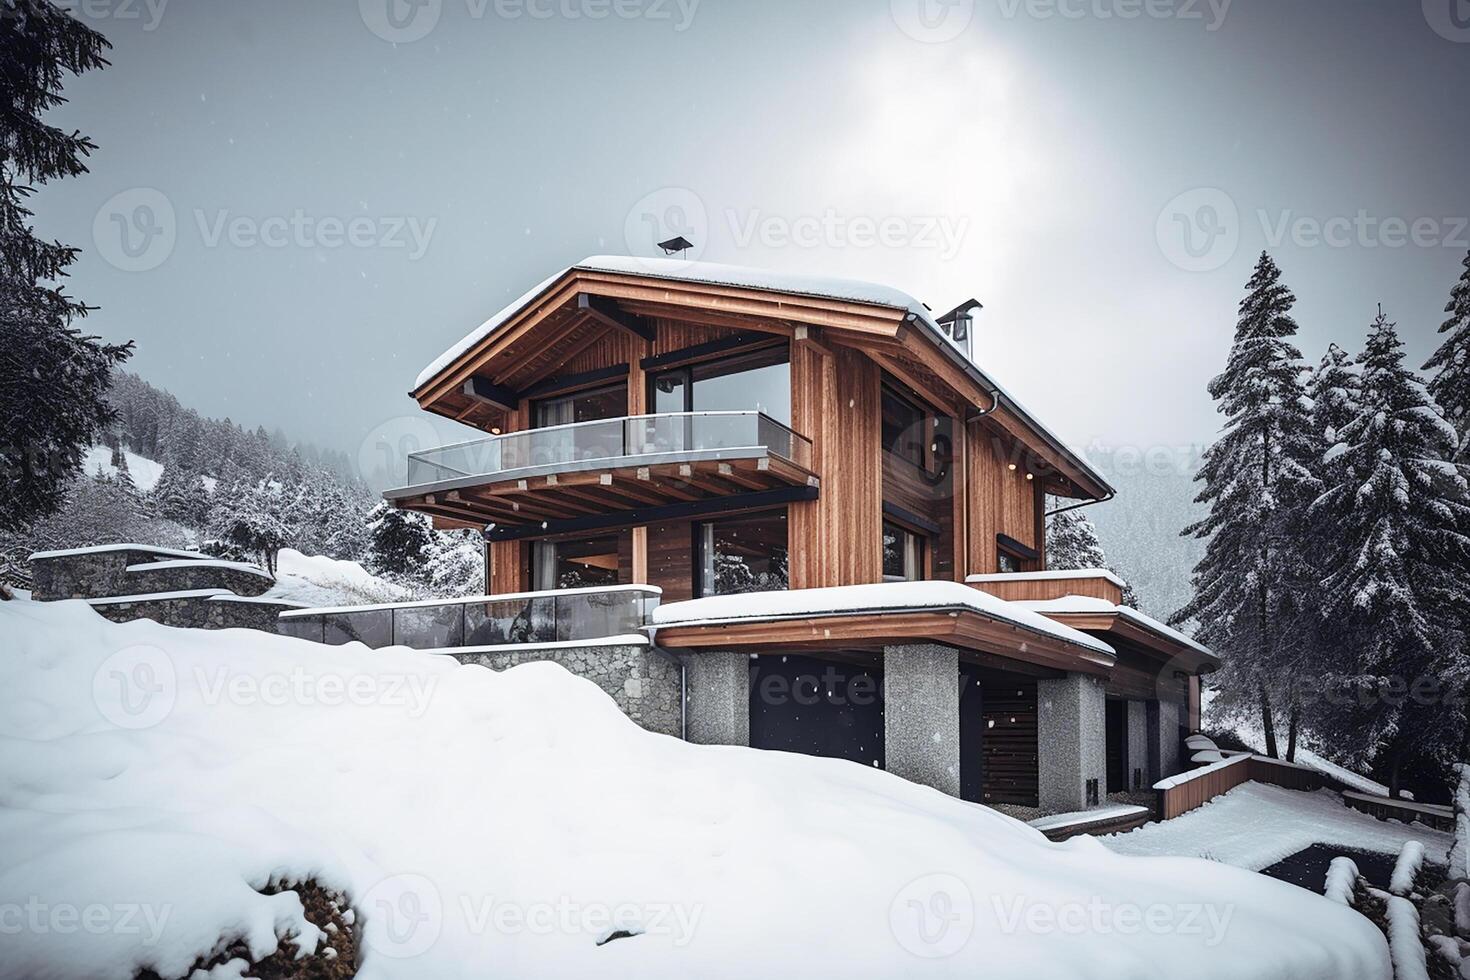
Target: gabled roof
{"x":821,"y":288}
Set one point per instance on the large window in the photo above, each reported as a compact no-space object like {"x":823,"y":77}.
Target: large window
{"x":609,"y":402}
{"x":903,"y":554}
{"x":742,"y":554}
{"x":574,"y":564}
{"x":903,"y":427}
{"x":756,"y":381}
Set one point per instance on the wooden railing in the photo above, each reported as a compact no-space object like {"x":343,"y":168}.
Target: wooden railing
{"x":1190,"y":790}
{"x":1407,"y":811}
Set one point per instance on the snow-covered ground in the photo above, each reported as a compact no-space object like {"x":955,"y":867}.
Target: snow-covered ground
{"x":144,"y":471}
{"x":1255,"y":825}
{"x":315,"y":580}
{"x":503,"y":823}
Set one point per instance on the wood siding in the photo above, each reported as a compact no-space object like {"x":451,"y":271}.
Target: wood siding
{"x":837,"y":538}
{"x":1000,"y":500}
{"x":1010,"y":741}
{"x":1052,"y":588}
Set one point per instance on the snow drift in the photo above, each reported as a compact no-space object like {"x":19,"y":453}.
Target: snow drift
{"x":516,"y":824}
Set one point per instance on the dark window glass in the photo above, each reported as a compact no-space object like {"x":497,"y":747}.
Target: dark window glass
{"x":903,"y":427}
{"x":903,"y":554}
{"x":1008,"y":562}
{"x":758,"y":381}
{"x":743,"y":554}
{"x":582,"y":406}
{"x":575,"y":564}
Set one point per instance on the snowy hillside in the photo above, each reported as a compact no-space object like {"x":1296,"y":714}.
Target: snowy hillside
{"x":145,"y":472}
{"x":516,"y":824}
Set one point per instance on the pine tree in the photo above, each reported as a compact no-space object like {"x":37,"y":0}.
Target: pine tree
{"x":1400,"y":563}
{"x":1450,"y":386}
{"x":1072,"y":543}
{"x":52,"y":378}
{"x":250,"y":522}
{"x":1257,"y":478}
{"x":455,"y":564}
{"x":398,"y":541}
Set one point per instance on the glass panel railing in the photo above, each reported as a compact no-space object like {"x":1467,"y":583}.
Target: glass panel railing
{"x":541,"y":617}
{"x":609,"y":440}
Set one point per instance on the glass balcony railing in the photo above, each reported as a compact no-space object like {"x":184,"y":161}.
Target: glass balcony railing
{"x":634,"y":440}
{"x":531,"y":617}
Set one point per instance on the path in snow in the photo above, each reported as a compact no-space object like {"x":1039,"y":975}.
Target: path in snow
{"x":1255,"y":825}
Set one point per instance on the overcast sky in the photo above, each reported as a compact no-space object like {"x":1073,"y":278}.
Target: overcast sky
{"x":295,"y":206}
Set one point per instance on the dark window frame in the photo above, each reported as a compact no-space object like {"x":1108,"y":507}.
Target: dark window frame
{"x":923,"y":548}
{"x":696,"y":531}
{"x":593,"y":389}
{"x":685,"y":371}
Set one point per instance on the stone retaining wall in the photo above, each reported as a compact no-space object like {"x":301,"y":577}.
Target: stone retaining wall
{"x":197,"y":612}
{"x":246,"y":580}
{"x":643,"y":682}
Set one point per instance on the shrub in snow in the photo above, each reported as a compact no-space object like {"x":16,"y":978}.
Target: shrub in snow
{"x":1342,"y":881}
{"x":1207,"y":756}
{"x":1406,"y":869}
{"x":446,"y":801}
{"x":1200,"y":743}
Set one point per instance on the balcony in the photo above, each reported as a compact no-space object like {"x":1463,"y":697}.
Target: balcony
{"x":592,"y":472}
{"x":568,"y":615}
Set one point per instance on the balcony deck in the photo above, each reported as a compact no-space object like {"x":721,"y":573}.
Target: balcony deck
{"x":611,"y":471}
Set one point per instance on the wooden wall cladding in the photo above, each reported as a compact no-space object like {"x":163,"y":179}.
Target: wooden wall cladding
{"x":1001,"y":500}
{"x":837,"y":538}
{"x":508,"y":567}
{"x":1053,"y":588}
{"x":1011,"y":769}
{"x":671,"y":559}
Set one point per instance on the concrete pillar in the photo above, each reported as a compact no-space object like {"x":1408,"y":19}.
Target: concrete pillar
{"x":921,"y":714}
{"x":1164,"y":738}
{"x":1138,"y":746}
{"x":717,"y":698}
{"x":1071,"y":741}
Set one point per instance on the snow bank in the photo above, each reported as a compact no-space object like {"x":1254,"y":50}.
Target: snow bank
{"x":879,"y":597}
{"x":1406,"y":868}
{"x":1342,"y":881}
{"x":503,"y":823}
{"x":315,"y":580}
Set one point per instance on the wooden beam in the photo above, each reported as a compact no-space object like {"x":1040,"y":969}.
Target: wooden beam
{"x":735,"y":503}
{"x":606,"y":311}
{"x":486,"y":392}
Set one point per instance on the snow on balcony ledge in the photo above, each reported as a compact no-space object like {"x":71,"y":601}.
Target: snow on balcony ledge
{"x":239,"y":566}
{"x":1090,"y":604}
{"x":98,"y":549}
{"x":883,"y":597}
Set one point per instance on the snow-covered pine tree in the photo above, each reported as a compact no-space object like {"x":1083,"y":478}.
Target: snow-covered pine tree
{"x":250,"y":522}
{"x":179,"y":495}
{"x":52,"y":378}
{"x":1400,"y":571}
{"x":398,"y":541}
{"x":455,"y":564}
{"x":1072,"y":543}
{"x":1257,"y":476}
{"x":1450,"y":386}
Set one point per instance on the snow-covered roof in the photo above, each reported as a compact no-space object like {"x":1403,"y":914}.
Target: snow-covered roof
{"x":239,"y":566}
{"x":100,"y":548}
{"x":712,"y":273}
{"x":769,"y":280}
{"x":1089,"y":604}
{"x":1084,"y":818}
{"x":880,"y":597}
{"x":1049,"y":574}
